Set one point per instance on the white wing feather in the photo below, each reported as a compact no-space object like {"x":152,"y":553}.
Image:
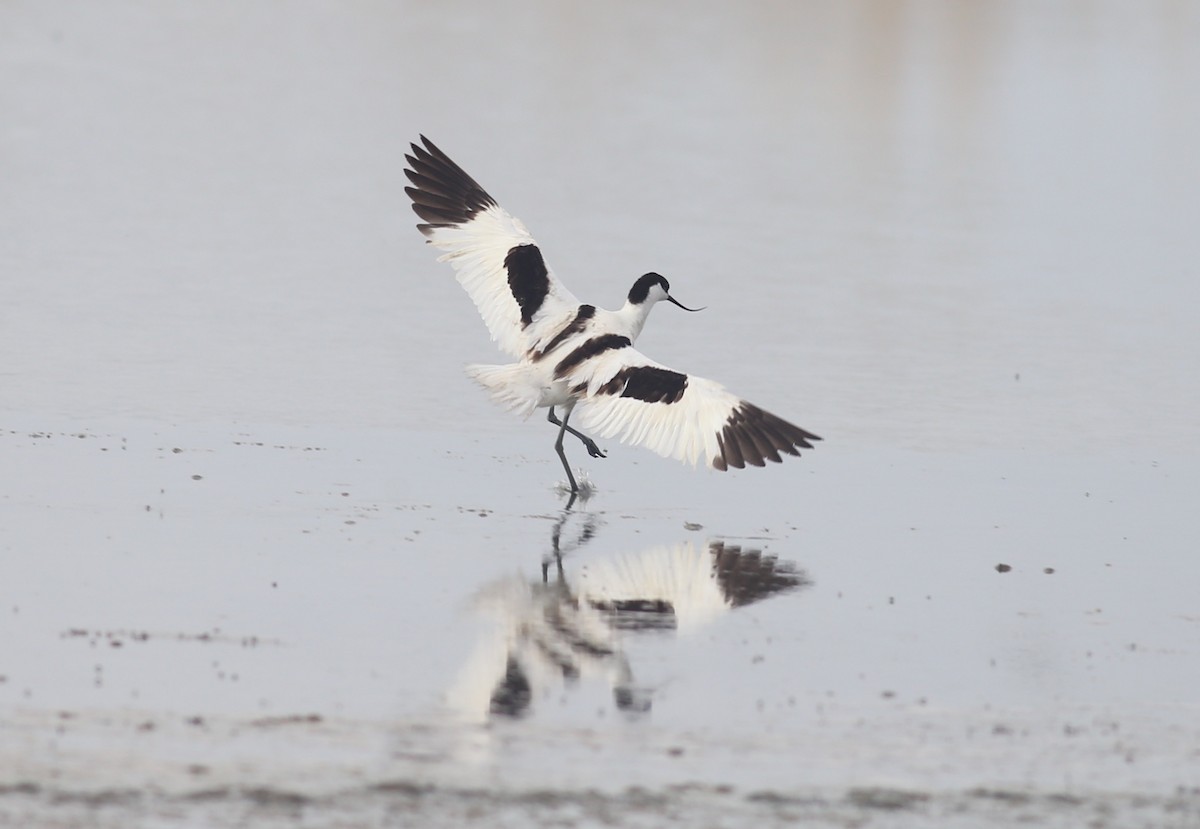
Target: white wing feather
{"x":685,"y":430}
{"x":477,"y":250}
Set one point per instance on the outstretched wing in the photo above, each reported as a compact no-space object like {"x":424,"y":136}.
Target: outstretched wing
{"x":493,"y":255}
{"x":626,"y":395}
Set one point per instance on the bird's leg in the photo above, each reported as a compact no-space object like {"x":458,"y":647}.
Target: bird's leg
{"x":558,"y":447}
{"x":558,"y":566}
{"x":592,"y":448}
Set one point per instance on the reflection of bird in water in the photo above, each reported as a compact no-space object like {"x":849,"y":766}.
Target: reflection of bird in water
{"x":553,"y":636}
{"x":552,"y":632}
{"x":681,"y":587}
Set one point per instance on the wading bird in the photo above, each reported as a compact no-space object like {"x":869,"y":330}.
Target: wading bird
{"x":573,"y":354}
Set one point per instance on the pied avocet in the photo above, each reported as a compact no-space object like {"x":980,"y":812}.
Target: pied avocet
{"x":575,"y":354}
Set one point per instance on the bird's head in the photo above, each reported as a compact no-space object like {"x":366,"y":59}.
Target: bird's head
{"x":652,"y":287}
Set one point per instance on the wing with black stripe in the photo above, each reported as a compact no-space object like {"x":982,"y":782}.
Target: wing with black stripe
{"x":628,"y":396}
{"x":494,"y":257}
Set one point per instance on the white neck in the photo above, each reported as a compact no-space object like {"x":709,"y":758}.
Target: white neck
{"x":632,"y":318}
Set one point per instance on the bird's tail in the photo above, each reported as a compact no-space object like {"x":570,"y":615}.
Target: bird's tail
{"x":510,"y":386}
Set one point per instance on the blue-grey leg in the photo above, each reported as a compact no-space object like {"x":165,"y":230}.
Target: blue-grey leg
{"x":592,"y":448}
{"x":558,"y":447}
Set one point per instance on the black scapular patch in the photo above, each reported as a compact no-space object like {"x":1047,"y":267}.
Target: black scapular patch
{"x":594,"y":346}
{"x":575,"y":326}
{"x":513,"y":694}
{"x":528,"y":279}
{"x":648,"y":383}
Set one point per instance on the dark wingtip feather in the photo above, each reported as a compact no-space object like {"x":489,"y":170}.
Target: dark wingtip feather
{"x":748,"y":576}
{"x":753,"y":436}
{"x":442,"y":192}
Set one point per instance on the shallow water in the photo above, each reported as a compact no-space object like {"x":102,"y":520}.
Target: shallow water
{"x":213,"y":623}
{"x":268,"y":553}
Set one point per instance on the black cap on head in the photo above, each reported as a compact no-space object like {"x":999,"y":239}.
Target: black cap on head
{"x":641,"y":288}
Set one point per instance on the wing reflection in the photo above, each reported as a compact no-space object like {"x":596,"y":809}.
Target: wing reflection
{"x":569,"y":626}
{"x":681,"y":586}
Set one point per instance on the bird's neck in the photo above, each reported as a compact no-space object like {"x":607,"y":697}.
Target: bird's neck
{"x":632,"y":318}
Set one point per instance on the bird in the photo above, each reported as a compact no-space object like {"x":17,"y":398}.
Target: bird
{"x":571,"y":353}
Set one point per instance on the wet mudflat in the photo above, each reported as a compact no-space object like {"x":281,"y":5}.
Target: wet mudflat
{"x":270,"y":559}
{"x":275,"y":624}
